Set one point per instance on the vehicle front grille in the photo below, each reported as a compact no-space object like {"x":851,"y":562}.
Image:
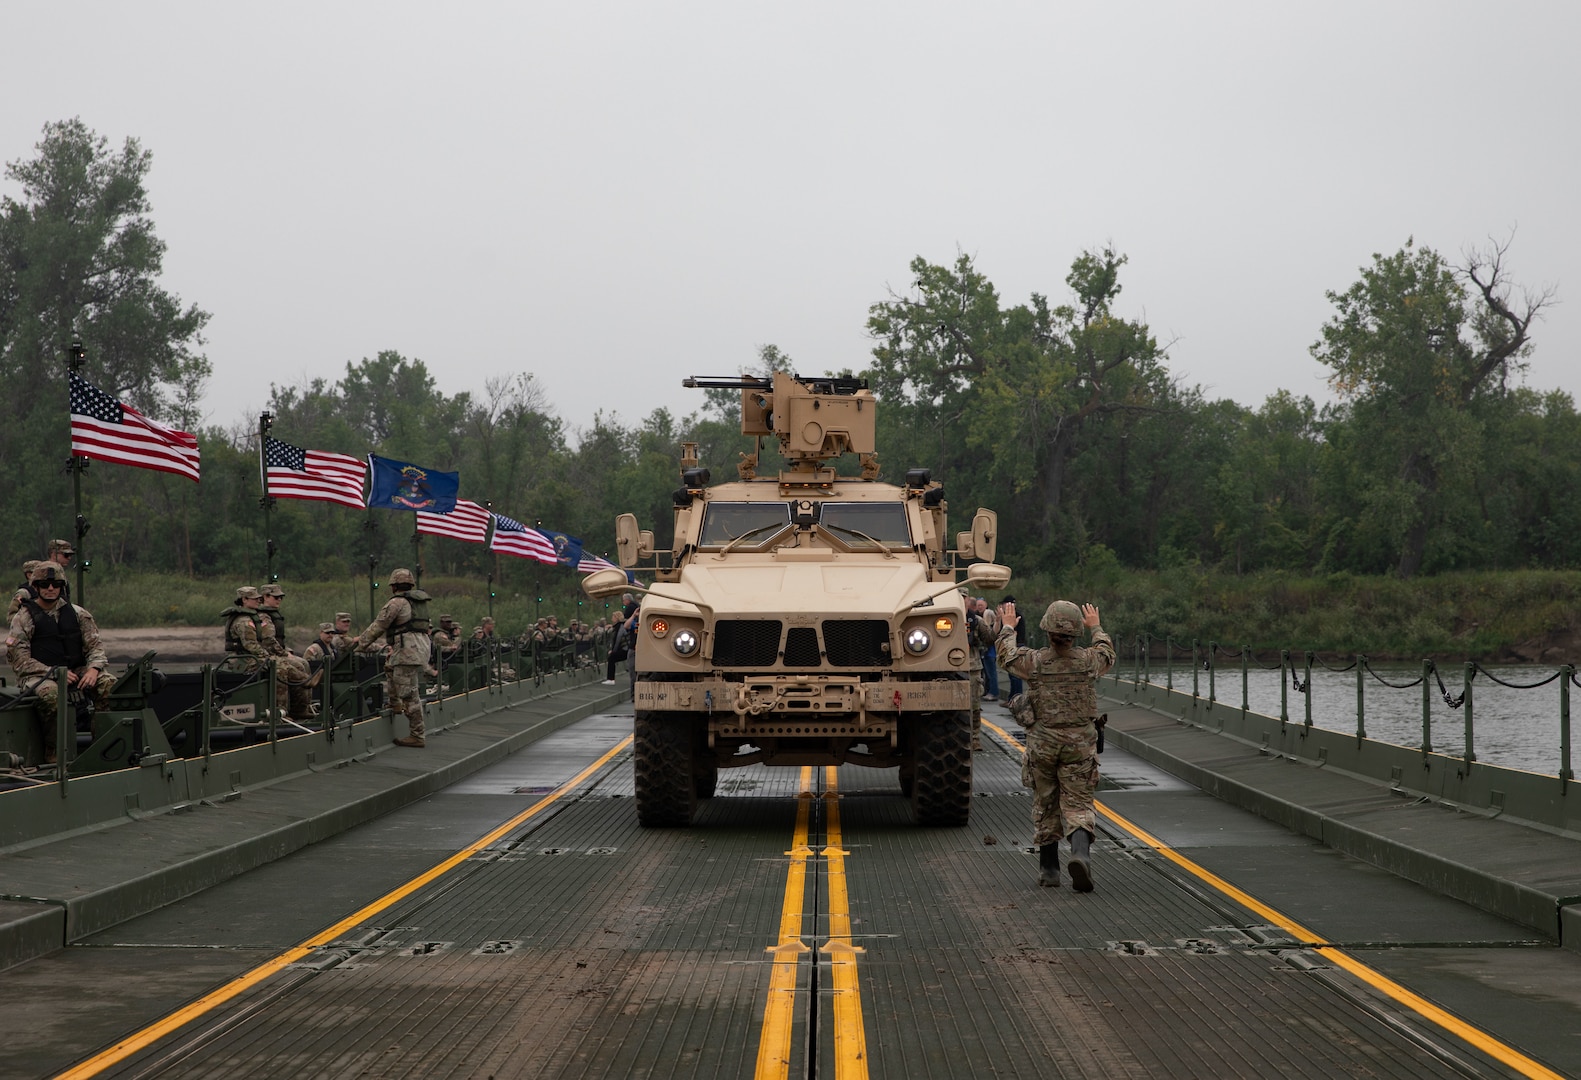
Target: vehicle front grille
{"x":801,"y":647}
{"x":747,"y":642}
{"x":856,"y":642}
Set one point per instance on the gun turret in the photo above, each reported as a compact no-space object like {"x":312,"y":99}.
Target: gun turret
{"x":816,"y":419}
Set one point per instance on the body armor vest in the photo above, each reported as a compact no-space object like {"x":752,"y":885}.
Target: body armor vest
{"x":57,"y":640}
{"x":418,"y":623}
{"x":233,"y":639}
{"x":274,"y":616}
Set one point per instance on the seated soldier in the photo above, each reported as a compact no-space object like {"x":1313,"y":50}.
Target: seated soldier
{"x":48,"y":633}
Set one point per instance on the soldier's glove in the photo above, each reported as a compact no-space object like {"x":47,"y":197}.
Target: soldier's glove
{"x":1101,"y":723}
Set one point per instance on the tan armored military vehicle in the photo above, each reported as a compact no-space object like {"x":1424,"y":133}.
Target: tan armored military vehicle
{"x":803,"y":618}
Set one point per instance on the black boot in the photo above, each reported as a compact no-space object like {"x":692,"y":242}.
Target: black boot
{"x":1080,"y":851}
{"x":1048,"y":865}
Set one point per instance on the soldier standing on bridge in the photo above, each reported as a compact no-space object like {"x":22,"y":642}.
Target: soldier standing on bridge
{"x":48,"y":633}
{"x":403,"y":622}
{"x":1062,"y":736}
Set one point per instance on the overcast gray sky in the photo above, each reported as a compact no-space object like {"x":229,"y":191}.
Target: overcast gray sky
{"x":614,"y":196}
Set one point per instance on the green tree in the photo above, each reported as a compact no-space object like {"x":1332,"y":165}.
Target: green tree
{"x":1419,"y":350}
{"x":79,"y":260}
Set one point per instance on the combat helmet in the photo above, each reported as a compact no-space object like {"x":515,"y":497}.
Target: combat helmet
{"x":47,"y":571}
{"x":1063,"y":619}
{"x":401,"y":576}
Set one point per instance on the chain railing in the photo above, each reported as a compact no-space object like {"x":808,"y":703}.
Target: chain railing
{"x":1296,"y":677}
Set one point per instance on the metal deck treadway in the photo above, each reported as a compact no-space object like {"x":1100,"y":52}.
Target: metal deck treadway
{"x":578,"y":945}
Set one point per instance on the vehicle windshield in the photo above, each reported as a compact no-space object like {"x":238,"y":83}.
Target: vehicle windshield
{"x":883,"y":522}
{"x":724,"y":522}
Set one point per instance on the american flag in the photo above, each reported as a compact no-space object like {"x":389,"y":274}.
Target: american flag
{"x":590,"y":563}
{"x":514,"y":538}
{"x":294,"y":473}
{"x":103,"y":428}
{"x":468,"y":521}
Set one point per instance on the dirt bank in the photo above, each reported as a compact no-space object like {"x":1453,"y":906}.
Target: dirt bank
{"x":175,"y":644}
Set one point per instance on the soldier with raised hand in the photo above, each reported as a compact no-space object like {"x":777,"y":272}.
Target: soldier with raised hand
{"x":1059,"y":711}
{"x":48,"y":632}
{"x":403,"y":622}
{"x":22,"y":593}
{"x":343,"y":638}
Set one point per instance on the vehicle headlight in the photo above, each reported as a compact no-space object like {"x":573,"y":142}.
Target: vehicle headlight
{"x":917,"y":641}
{"x":685,"y":642}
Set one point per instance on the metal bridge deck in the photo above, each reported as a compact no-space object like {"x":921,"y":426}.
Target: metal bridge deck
{"x":578,"y":945}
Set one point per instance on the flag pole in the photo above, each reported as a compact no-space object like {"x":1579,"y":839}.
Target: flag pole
{"x":417,"y":551}
{"x":488,"y":505}
{"x":265,"y":421}
{"x":76,"y":354}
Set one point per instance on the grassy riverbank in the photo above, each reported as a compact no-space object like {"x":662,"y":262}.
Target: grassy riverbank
{"x":1509,"y":616}
{"x":130,"y":601}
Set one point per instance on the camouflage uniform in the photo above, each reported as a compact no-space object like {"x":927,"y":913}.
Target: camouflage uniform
{"x":403,"y":623}
{"x":243,"y":643}
{"x":71,"y":640}
{"x":343,"y":640}
{"x":321,"y":653}
{"x":1059,"y":707}
{"x":292,"y":671}
{"x":979,"y":638}
{"x":23,"y":593}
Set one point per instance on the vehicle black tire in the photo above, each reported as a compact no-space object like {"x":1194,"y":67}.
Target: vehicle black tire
{"x":941,"y":786}
{"x":705,"y":778}
{"x":666,"y":787}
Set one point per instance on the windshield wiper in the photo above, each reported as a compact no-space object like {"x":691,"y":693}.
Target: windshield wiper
{"x":734,"y":540}
{"x":855,"y":532}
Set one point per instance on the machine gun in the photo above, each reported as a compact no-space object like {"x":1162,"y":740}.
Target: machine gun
{"x":815,"y":419}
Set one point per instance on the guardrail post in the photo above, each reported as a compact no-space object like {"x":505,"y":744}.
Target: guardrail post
{"x":1566,"y":674}
{"x":1169,"y":663}
{"x":1213,"y":689}
{"x":1471,"y":673}
{"x":1136,"y":664}
{"x":1284,"y":686}
{"x":1361,"y":696}
{"x":1307,"y":691}
{"x":1147,"y":656}
{"x":1427,"y":707}
{"x":1196,"y":666}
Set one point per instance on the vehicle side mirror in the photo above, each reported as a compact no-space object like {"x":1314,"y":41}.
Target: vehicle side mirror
{"x":989,"y":577}
{"x":985,"y":534}
{"x":603,"y":584}
{"x":628,"y":540}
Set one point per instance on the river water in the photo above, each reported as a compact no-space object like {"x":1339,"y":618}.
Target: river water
{"x":1517,"y":728}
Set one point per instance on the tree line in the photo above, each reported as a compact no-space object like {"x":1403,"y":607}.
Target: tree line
{"x":1059,"y":412}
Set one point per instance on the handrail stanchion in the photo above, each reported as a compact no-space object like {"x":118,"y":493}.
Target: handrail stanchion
{"x":1196,"y":666}
{"x":1471,"y":673}
{"x":274,"y":707}
{"x":1246,"y":701}
{"x":1284,"y":686}
{"x":1136,"y":664}
{"x":1361,"y":696}
{"x":1306,"y":690}
{"x":1169,"y":663}
{"x":1213,"y":688}
{"x":1566,"y":673}
{"x":1427,"y":706}
{"x":206,"y":717}
{"x":65,"y":729}
{"x":1147,"y":655}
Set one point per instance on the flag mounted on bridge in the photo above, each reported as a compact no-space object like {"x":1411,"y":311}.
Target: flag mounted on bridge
{"x":567,"y":549}
{"x":514,"y":538}
{"x":590,"y":563}
{"x":400,"y":485}
{"x":468,"y":521}
{"x":291,"y":472}
{"x":109,"y":430}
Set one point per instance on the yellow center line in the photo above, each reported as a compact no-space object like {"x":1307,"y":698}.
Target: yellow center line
{"x":774,"y":1043}
{"x":850,"y":1037}
{"x":1495,"y":1049}
{"x":147,"y":1036}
